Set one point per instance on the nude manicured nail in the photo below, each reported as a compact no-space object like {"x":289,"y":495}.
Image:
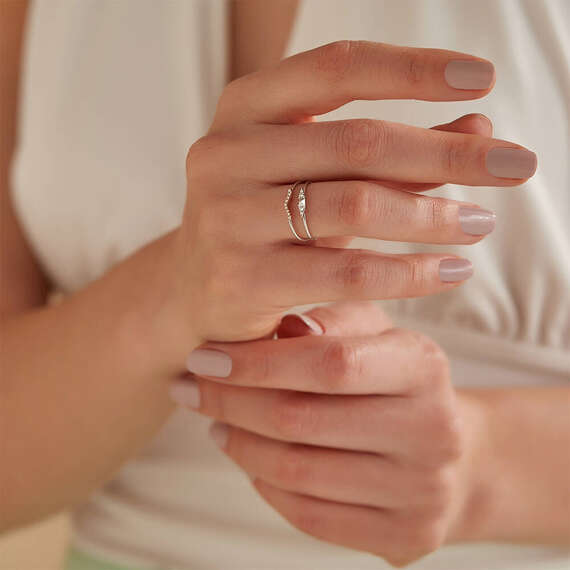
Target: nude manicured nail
{"x":506,"y":162}
{"x":469,"y":74}
{"x":219,"y":433}
{"x":476,"y":221}
{"x":185,"y":393}
{"x":452,"y":270}
{"x":209,"y":362}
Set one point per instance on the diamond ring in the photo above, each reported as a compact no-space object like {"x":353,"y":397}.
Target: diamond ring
{"x":301,"y":207}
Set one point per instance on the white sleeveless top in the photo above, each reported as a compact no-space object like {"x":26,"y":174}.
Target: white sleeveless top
{"x":114,"y":93}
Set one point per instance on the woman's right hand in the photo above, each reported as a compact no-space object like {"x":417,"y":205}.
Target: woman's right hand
{"x":239,"y":267}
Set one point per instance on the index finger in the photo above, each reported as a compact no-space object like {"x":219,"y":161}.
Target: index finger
{"x":392,"y":363}
{"x":325,"y":78}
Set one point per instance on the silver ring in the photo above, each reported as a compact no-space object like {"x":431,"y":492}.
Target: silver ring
{"x":302,"y":208}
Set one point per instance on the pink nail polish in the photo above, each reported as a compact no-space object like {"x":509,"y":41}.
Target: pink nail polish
{"x":469,"y":74}
{"x":476,"y":221}
{"x":505,"y":162}
{"x":209,"y":362}
{"x":453,"y":270}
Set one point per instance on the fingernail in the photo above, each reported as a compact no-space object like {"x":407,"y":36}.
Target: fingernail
{"x":469,"y":74}
{"x":209,"y":362}
{"x":476,"y":221}
{"x":506,"y":162}
{"x":303,"y":324}
{"x":451,"y":270}
{"x":185,"y":393}
{"x":219,"y":433}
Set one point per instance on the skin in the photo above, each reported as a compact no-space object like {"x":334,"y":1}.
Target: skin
{"x":118,"y":343}
{"x":357,"y":437}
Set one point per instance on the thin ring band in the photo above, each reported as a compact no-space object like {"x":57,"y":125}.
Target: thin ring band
{"x":289,"y":217}
{"x":302,"y":207}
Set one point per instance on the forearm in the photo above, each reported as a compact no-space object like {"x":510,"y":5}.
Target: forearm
{"x":521,"y":470}
{"x":84,"y":384}
{"x":253,"y":46}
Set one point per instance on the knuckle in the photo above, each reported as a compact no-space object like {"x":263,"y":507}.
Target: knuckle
{"x":336,"y":59}
{"x":358,"y":142}
{"x":339,"y":367}
{"x":436,"y":214}
{"x":233,"y":88}
{"x":414,"y":70}
{"x":204,"y":156}
{"x":356,"y":205}
{"x":293,"y":417}
{"x":198,"y":151}
{"x":411,"y":274}
{"x":355,"y":273}
{"x":235,"y":92}
{"x":456,"y":156}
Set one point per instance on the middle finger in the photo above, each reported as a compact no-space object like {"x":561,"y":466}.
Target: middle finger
{"x":376,"y":424}
{"x":373,"y":149}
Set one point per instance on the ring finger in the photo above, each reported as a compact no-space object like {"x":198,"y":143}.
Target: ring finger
{"x":332,"y":474}
{"x":366,"y":209}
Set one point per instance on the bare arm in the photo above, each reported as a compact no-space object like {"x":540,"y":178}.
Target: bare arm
{"x":522,"y":469}
{"x":23,"y":284}
{"x":84,"y":383}
{"x":259,"y":32}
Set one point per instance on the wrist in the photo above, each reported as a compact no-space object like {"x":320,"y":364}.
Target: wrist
{"x":156,"y":326}
{"x":476,"y":471}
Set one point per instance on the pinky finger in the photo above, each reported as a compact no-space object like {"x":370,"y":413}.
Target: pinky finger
{"x":319,"y":274}
{"x":380,"y":532}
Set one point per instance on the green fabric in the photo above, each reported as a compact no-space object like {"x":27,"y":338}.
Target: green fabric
{"x":79,"y":560}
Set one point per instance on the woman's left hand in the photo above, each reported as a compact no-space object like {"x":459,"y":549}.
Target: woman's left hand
{"x":355,"y":436}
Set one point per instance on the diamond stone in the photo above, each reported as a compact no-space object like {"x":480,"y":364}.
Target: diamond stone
{"x":301,"y":204}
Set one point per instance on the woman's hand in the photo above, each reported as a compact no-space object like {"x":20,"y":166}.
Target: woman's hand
{"x":355,"y":436}
{"x":237,"y":266}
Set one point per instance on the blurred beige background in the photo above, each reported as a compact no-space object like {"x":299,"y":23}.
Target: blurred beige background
{"x":38,"y":547}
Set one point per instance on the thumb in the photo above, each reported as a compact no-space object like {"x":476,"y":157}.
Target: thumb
{"x":346,"y":318}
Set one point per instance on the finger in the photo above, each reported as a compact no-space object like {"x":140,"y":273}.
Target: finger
{"x":398,"y":539}
{"x":366,"y":209}
{"x":393,"y":362}
{"x":331,"y":474}
{"x":325,"y":78}
{"x":376,"y":150}
{"x":308,"y":275}
{"x":348,"y":318}
{"x":395,"y":426}
{"x":474,"y":123}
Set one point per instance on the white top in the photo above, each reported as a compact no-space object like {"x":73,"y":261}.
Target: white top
{"x":116,"y":91}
